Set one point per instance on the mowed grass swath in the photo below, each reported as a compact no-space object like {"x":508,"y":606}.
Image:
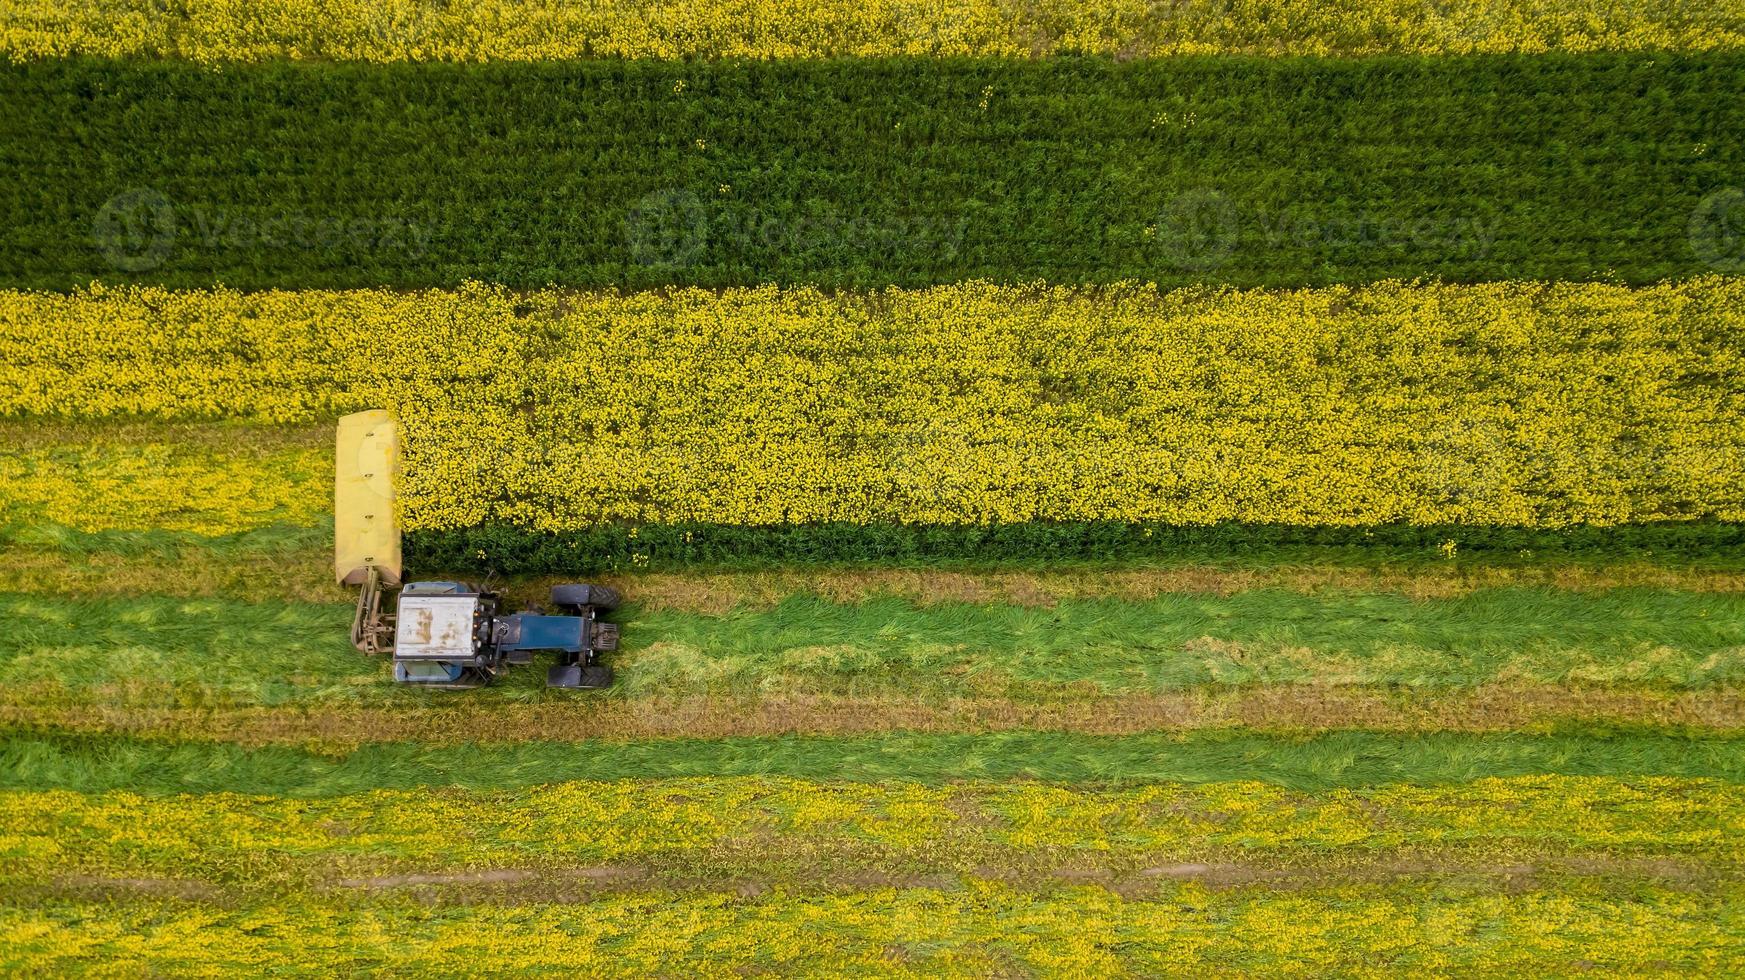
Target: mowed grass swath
{"x":154,"y":651}
{"x":1308,"y":762}
{"x":865,"y":173}
{"x":528,"y":30}
{"x":1502,"y":404}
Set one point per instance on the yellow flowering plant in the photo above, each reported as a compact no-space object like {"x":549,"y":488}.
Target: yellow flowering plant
{"x":102,"y":482}
{"x":978,"y":929}
{"x":544,"y":30}
{"x":1494,"y":404}
{"x":269,"y":842}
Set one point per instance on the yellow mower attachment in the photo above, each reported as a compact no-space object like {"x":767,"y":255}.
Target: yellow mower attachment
{"x":366,"y":529}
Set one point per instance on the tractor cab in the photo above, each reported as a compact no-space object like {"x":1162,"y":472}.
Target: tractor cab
{"x":450,"y":634}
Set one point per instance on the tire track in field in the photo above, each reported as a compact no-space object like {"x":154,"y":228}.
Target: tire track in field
{"x":1018,"y":870}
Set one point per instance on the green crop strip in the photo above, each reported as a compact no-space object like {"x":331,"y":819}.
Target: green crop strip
{"x":498,"y":548}
{"x":1089,"y":545}
{"x":1029,"y":565}
{"x":867,"y":172}
{"x":517,"y":551}
{"x":225,"y":652}
{"x":1310,"y":764}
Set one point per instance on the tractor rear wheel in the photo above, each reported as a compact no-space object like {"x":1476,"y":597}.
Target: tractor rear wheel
{"x":601,"y":597}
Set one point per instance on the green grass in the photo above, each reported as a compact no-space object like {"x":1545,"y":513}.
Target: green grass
{"x":226,"y":651}
{"x":1330,"y":761}
{"x":859,"y":172}
{"x":262,"y":653}
{"x":1262,"y":636}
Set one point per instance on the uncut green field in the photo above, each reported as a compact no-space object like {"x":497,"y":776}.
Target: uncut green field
{"x":1099,"y":489}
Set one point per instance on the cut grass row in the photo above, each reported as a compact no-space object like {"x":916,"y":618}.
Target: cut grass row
{"x":977,"y":930}
{"x":1311,"y":763}
{"x":1285,"y":709}
{"x":1283,"y":172}
{"x":1659,"y":639}
{"x":212,"y":652}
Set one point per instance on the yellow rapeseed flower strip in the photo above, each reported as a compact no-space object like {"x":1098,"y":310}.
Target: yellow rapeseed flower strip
{"x":269,"y":842}
{"x":552,"y":30}
{"x":980,"y":929}
{"x":103,"y":483}
{"x":1503,"y":403}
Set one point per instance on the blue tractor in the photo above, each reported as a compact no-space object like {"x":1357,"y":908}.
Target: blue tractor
{"x":452,"y":635}
{"x":443,"y":633}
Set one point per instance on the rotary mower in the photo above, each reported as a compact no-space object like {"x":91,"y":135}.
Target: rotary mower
{"x":445,"y":634}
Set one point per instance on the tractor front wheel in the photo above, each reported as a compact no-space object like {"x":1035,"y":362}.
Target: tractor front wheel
{"x":601,"y":597}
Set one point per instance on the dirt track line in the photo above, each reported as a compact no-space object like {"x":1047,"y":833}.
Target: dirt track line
{"x":489,"y":877}
{"x":1287,"y":708}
